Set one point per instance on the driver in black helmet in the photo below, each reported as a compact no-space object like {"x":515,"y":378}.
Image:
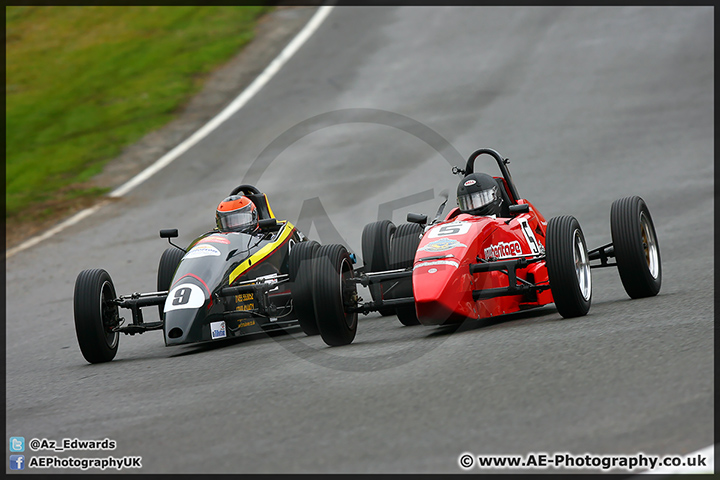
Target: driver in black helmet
{"x":479,"y":194}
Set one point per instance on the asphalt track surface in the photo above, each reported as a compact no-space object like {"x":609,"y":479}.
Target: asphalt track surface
{"x":590,"y":105}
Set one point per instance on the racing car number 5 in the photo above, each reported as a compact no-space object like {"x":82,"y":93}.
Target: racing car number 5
{"x":449,"y":229}
{"x":529,"y":236}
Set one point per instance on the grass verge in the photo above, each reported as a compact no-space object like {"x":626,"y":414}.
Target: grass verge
{"x":83,"y":83}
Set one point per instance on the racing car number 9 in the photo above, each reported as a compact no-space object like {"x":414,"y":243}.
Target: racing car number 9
{"x":186,"y":295}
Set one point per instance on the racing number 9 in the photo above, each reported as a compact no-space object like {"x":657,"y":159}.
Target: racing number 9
{"x":182,"y":296}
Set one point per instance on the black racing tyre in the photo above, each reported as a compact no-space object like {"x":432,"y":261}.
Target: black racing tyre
{"x":95,"y":315}
{"x":332,"y":293}
{"x":637,"y":251}
{"x":568,"y":266}
{"x":404,"y":244}
{"x":300,"y":271}
{"x":169,"y":261}
{"x":376,"y":240}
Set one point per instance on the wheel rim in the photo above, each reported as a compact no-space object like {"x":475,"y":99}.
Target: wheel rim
{"x":582,"y":265}
{"x":108,"y":314}
{"x":650,"y":246}
{"x":346,"y":272}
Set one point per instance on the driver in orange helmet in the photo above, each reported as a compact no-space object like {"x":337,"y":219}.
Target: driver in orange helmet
{"x":236,"y":213}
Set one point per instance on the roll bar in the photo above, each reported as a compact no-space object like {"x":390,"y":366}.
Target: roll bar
{"x":246,"y":189}
{"x":502,"y":163}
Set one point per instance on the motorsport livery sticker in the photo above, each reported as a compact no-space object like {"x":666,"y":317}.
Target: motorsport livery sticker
{"x":502,"y":250}
{"x":470,"y":182}
{"x":217,"y":330}
{"x":202,"y":251}
{"x":442,"y":245}
{"x":449,"y":229}
{"x":185,"y":295}
{"x":438,"y":262}
{"x":215,"y":239}
{"x":535,"y":246}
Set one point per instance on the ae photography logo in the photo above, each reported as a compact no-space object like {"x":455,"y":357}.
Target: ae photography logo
{"x":313,"y":212}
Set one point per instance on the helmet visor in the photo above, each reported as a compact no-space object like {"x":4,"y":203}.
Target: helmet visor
{"x":233,"y":220}
{"x":474,"y":200}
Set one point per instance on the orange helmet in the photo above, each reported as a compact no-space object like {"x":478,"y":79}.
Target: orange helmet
{"x":236,"y":212}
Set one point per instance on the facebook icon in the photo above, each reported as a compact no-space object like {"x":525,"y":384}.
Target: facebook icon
{"x":17,"y":462}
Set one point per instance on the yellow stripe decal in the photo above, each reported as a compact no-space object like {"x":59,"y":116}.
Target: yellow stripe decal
{"x":262,"y":253}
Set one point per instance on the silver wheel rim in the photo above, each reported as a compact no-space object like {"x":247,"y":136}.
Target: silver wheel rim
{"x":582,"y":265}
{"x":650,"y":246}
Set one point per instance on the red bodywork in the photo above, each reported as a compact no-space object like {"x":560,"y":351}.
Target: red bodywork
{"x":443,"y":287}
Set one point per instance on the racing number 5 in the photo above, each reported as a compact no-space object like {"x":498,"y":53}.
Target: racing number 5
{"x":450,"y":229}
{"x":529,"y":236}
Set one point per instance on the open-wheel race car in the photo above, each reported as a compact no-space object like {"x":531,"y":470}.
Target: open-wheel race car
{"x":250,"y":274}
{"x":495,"y":254}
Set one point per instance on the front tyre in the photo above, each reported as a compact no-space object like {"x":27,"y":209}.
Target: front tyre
{"x":96,"y":315}
{"x":169,"y":262}
{"x":402,"y":256}
{"x":376,"y":240}
{"x":300,"y":272}
{"x":636,"y":247}
{"x":568,"y":266}
{"x":333,"y":293}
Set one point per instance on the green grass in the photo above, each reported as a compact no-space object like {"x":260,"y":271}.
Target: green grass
{"x":82,"y":83}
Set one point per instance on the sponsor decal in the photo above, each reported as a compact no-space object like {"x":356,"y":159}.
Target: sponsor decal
{"x":437,"y":262}
{"x":442,"y":245}
{"x":449,"y":229}
{"x":217,"y":330}
{"x":248,"y":323}
{"x":432,"y":270}
{"x":245,"y":307}
{"x":185,"y":295}
{"x":215,"y":239}
{"x":244,"y":297}
{"x":502,"y":250}
{"x":535,"y":246}
{"x":469,"y":182}
{"x":202,"y":251}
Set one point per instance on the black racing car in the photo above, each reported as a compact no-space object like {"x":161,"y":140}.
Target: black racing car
{"x":224,"y":284}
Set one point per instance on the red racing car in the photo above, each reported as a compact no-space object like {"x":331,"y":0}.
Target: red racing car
{"x":494,"y":254}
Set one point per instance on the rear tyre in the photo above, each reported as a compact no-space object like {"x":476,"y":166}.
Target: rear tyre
{"x":333,"y":294}
{"x":96,"y":315}
{"x":376,"y":240}
{"x":402,"y":255}
{"x":568,"y":266}
{"x":636,"y":247}
{"x":300,"y":271}
{"x":169,"y":262}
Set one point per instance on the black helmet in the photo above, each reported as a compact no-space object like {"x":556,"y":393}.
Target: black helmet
{"x":479,"y":194}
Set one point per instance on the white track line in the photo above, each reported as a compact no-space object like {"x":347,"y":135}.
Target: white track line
{"x":183,"y":147}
